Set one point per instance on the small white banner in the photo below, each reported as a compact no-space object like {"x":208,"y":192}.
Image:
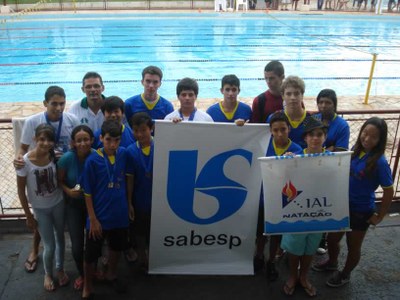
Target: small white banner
{"x":206,"y":191}
{"x":306,"y":193}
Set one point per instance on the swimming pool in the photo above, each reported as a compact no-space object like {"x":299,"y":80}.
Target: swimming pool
{"x":326,"y":50}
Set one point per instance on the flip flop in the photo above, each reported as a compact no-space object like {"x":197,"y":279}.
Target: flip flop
{"x":78,"y":284}
{"x":310,"y":290}
{"x":288,"y":290}
{"x":131,"y":256}
{"x":64,"y":281}
{"x":30,"y":265}
{"x":51,"y":287}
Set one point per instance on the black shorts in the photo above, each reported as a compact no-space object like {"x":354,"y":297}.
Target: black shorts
{"x":359,"y":220}
{"x":117,"y":241}
{"x":141,"y":226}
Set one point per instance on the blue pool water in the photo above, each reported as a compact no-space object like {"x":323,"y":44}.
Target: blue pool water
{"x":326,"y":50}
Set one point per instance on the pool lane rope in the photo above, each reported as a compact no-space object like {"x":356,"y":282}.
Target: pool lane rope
{"x":374,"y":55}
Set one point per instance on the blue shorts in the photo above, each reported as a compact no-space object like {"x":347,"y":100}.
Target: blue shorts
{"x":301,"y":244}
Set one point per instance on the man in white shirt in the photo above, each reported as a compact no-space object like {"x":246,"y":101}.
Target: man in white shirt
{"x":88,"y":110}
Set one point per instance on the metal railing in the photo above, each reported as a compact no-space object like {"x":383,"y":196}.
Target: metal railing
{"x":10,"y":206}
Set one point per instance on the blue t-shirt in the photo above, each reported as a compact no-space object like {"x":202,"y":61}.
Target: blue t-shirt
{"x":142,"y":166}
{"x":296,"y":132}
{"x":135,"y":104}
{"x":338,"y":132}
{"x":109,"y":201}
{"x":292,"y":147}
{"x":362,"y":187}
{"x":73,"y":168}
{"x":271,"y":151}
{"x":243,"y":111}
{"x":127,"y":138}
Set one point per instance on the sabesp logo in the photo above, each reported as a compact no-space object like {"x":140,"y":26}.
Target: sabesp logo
{"x":289,"y":193}
{"x":182,"y":185}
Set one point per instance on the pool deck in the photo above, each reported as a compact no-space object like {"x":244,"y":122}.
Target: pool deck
{"x":345,"y":103}
{"x":376,"y":277}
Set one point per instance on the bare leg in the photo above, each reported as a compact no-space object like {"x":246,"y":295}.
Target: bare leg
{"x":31,"y":263}
{"x":334,"y":246}
{"x":354,"y":240}
{"x":260,"y":245}
{"x":305,"y":263}
{"x":274,"y":243}
{"x":113,"y":258}
{"x":294,"y":261}
{"x":88,"y":270}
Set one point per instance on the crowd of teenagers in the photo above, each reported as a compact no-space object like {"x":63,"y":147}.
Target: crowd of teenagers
{"x":91,"y":168}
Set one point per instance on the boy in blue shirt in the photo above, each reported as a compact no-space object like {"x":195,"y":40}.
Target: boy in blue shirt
{"x":338,"y":135}
{"x":278,"y":145}
{"x":108,"y":207}
{"x":338,"y":130}
{"x":230,"y":109}
{"x":149,"y":101}
{"x":113,"y":109}
{"x":140,"y":157}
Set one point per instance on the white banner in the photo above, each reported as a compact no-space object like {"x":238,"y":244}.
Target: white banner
{"x":306,"y":193}
{"x":206,"y":191}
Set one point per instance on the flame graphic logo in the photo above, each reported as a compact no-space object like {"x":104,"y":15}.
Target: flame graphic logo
{"x":289,"y":193}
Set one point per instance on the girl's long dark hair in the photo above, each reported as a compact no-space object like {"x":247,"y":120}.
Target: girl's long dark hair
{"x":379,"y":149}
{"x":49,"y":133}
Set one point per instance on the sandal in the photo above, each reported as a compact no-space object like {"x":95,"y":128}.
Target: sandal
{"x":131,"y":255}
{"x":288,"y":290}
{"x":30,"y":265}
{"x":78,"y":283}
{"x":49,"y":284}
{"x":64,"y":280}
{"x":310,"y":290}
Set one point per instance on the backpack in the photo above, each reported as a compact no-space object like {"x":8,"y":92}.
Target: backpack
{"x":261,"y":105}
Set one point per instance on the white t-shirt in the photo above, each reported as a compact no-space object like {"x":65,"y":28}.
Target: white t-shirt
{"x":86,"y":116}
{"x":68,"y":124}
{"x":199,"y":116}
{"x":41,"y":184}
